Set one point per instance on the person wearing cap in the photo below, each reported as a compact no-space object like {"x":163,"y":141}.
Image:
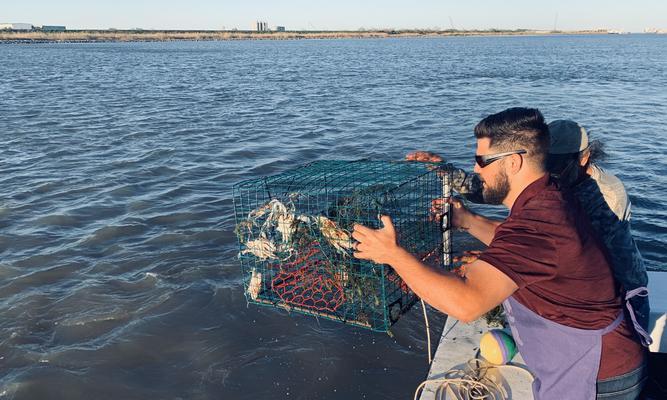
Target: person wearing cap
{"x":571,"y":158}
{"x":605,"y":201}
{"x":542,"y":263}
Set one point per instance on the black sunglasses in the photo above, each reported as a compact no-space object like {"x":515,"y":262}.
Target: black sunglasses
{"x":485,"y":160}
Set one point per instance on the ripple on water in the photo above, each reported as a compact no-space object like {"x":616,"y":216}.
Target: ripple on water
{"x":46,"y":187}
{"x":113,"y":233}
{"x":171,"y":219}
{"x":89,"y":326}
{"x":167,"y":239}
{"x":267,"y":168}
{"x":163,"y":170}
{"x":157,"y":155}
{"x":95,"y":212}
{"x":139,"y":205}
{"x":60,"y":220}
{"x":124,"y":191}
{"x":39,"y":278}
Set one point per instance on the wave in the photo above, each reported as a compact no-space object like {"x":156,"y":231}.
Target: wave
{"x":60,"y":220}
{"x":114,"y":233}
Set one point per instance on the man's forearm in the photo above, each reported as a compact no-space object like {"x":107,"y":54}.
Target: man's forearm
{"x":483,"y":287}
{"x":481,"y":228}
{"x":443,"y":290}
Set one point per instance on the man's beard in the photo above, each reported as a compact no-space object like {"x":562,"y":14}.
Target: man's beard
{"x":496,"y":195}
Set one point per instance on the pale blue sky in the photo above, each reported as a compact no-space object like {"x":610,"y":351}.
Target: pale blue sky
{"x":627,"y":15}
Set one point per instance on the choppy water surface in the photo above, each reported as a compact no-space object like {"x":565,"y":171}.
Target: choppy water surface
{"x":118,"y":276}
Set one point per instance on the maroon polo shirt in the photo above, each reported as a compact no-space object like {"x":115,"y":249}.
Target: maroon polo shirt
{"x":546,"y":246}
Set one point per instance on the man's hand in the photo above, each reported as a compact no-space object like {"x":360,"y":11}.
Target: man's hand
{"x":468,"y":256}
{"x":377,"y":245}
{"x":423,"y":156}
{"x":460,"y":214}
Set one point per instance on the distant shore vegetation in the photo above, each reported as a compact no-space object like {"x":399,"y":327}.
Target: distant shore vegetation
{"x":139,"y":35}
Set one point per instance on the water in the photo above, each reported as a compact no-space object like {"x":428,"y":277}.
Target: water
{"x":118,"y":276}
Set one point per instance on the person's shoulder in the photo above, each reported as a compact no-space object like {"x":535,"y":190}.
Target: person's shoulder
{"x":548,"y":205}
{"x":613,"y":191}
{"x":606,"y":179}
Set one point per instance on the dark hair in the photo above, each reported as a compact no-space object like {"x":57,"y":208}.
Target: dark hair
{"x":517,"y":128}
{"x":566,"y":169}
{"x":597,"y":153}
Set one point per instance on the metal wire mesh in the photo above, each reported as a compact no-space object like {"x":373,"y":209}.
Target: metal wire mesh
{"x":294,"y":232}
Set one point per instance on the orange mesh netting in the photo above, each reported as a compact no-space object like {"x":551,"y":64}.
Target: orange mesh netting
{"x":393,"y":277}
{"x":306,"y":283}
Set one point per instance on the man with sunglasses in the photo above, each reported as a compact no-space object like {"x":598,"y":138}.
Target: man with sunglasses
{"x":572,"y":163}
{"x":542,"y":263}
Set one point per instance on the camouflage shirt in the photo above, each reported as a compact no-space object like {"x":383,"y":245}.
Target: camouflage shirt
{"x":603,"y":198}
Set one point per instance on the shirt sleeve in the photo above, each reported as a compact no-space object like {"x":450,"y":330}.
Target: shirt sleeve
{"x":613,"y":231}
{"x":613,"y":192}
{"x":523,"y":253}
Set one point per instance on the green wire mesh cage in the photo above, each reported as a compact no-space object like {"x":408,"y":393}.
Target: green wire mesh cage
{"x":294,"y":232}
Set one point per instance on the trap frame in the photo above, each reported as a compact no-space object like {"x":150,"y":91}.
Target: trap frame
{"x":294,"y":231}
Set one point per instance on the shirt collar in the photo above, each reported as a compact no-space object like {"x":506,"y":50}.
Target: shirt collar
{"x":531,"y":191}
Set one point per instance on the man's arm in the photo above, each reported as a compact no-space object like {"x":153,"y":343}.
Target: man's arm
{"x":466,"y":299}
{"x":480,"y":227}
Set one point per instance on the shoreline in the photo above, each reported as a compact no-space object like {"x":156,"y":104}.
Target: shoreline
{"x":104,"y":36}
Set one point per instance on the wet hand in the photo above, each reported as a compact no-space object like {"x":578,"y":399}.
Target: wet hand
{"x":460,"y":214}
{"x":423,"y":156}
{"x":437,"y":209}
{"x":377,"y":245}
{"x":467,"y":257}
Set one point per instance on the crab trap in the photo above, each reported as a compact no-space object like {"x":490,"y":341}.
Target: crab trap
{"x":296,"y":249}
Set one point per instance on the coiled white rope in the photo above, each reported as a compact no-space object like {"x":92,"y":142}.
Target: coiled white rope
{"x":472,"y":382}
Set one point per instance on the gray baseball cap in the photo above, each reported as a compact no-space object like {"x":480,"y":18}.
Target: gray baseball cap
{"x":567,"y":137}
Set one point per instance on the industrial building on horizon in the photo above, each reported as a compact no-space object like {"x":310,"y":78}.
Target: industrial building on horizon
{"x":263,"y":26}
{"x":31,"y":27}
{"x":16,"y":27}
